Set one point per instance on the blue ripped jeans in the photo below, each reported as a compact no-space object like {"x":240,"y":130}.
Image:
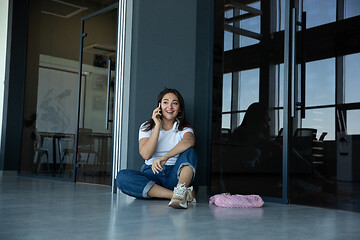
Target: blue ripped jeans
{"x":138,"y":183}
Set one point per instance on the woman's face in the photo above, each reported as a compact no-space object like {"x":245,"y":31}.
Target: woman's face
{"x":170,"y":106}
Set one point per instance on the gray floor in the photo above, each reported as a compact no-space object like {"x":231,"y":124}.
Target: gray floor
{"x":33,"y":208}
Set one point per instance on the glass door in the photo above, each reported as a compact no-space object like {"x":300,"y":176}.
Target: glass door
{"x":286,"y":103}
{"x":93,"y":140}
{"x":247,"y":150}
{"x":323,"y":132}
{"x":52,"y":93}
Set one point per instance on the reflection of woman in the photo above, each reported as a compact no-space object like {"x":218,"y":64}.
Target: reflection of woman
{"x":254,"y":132}
{"x":254,"y":125}
{"x":165,"y":142}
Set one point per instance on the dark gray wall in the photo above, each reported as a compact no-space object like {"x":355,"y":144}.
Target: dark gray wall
{"x":171,"y":48}
{"x":14,"y":87}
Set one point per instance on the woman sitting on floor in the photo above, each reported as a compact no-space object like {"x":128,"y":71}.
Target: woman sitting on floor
{"x":166,"y":143}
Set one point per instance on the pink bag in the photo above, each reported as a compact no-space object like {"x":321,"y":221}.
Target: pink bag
{"x":236,"y":201}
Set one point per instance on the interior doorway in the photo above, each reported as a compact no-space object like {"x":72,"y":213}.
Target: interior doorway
{"x":69,"y":100}
{"x":93,"y":141}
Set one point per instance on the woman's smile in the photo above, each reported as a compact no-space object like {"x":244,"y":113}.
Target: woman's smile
{"x":170,"y":106}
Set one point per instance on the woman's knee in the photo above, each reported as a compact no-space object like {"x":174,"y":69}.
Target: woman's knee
{"x":190,"y":151}
{"x":123,"y":178}
{"x":189,"y":156}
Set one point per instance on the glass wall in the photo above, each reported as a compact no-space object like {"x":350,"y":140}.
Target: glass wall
{"x":248,"y":116}
{"x":246,"y":158}
{"x":51,"y":94}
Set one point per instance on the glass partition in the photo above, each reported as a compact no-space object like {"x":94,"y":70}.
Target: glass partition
{"x":249,"y":160}
{"x":52,"y":79}
{"x":95,"y":130}
{"x":285,"y":111}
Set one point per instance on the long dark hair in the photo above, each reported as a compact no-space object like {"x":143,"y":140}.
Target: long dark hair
{"x":150,"y":124}
{"x":256,"y":119}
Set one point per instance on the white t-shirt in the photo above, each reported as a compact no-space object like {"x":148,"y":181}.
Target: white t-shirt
{"x":166,"y":141}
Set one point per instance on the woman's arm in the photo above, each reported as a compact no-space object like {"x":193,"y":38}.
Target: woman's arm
{"x":187,"y":142}
{"x":147,"y":146}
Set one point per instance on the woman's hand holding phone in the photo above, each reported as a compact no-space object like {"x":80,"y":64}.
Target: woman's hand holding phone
{"x":157,"y":115}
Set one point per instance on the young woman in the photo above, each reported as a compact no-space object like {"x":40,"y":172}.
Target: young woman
{"x":166,"y":143}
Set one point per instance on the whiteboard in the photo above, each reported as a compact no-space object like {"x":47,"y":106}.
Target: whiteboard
{"x":57,"y":98}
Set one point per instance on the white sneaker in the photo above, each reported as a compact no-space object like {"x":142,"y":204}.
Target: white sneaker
{"x":191,"y":197}
{"x":181,"y":196}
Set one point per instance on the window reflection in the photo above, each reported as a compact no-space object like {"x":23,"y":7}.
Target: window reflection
{"x":248,"y":160}
{"x":228,"y":36}
{"x":227,"y":82}
{"x":225,"y":122}
{"x":250,"y":24}
{"x":228,"y":41}
{"x":247,"y":91}
{"x":240,"y":118}
{"x":352,"y":8}
{"x":352,"y":122}
{"x":322,"y":119}
{"x":280,"y":5}
{"x":320,"y":82}
{"x":248,"y":88}
{"x":279,"y":87}
{"x":319,"y":12}
{"x":278,"y":121}
{"x":351,"y":78}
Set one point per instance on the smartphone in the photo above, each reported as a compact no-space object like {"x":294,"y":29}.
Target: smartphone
{"x":160,"y":110}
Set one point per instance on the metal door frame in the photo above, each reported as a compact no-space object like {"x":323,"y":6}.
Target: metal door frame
{"x":82,"y":36}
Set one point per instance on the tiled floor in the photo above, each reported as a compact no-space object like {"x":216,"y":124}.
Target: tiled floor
{"x":33,"y":208}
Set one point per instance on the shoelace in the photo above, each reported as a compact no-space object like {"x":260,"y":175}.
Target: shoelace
{"x":180,"y":190}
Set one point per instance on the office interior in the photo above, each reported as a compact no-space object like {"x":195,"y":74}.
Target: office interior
{"x":77,"y":91}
